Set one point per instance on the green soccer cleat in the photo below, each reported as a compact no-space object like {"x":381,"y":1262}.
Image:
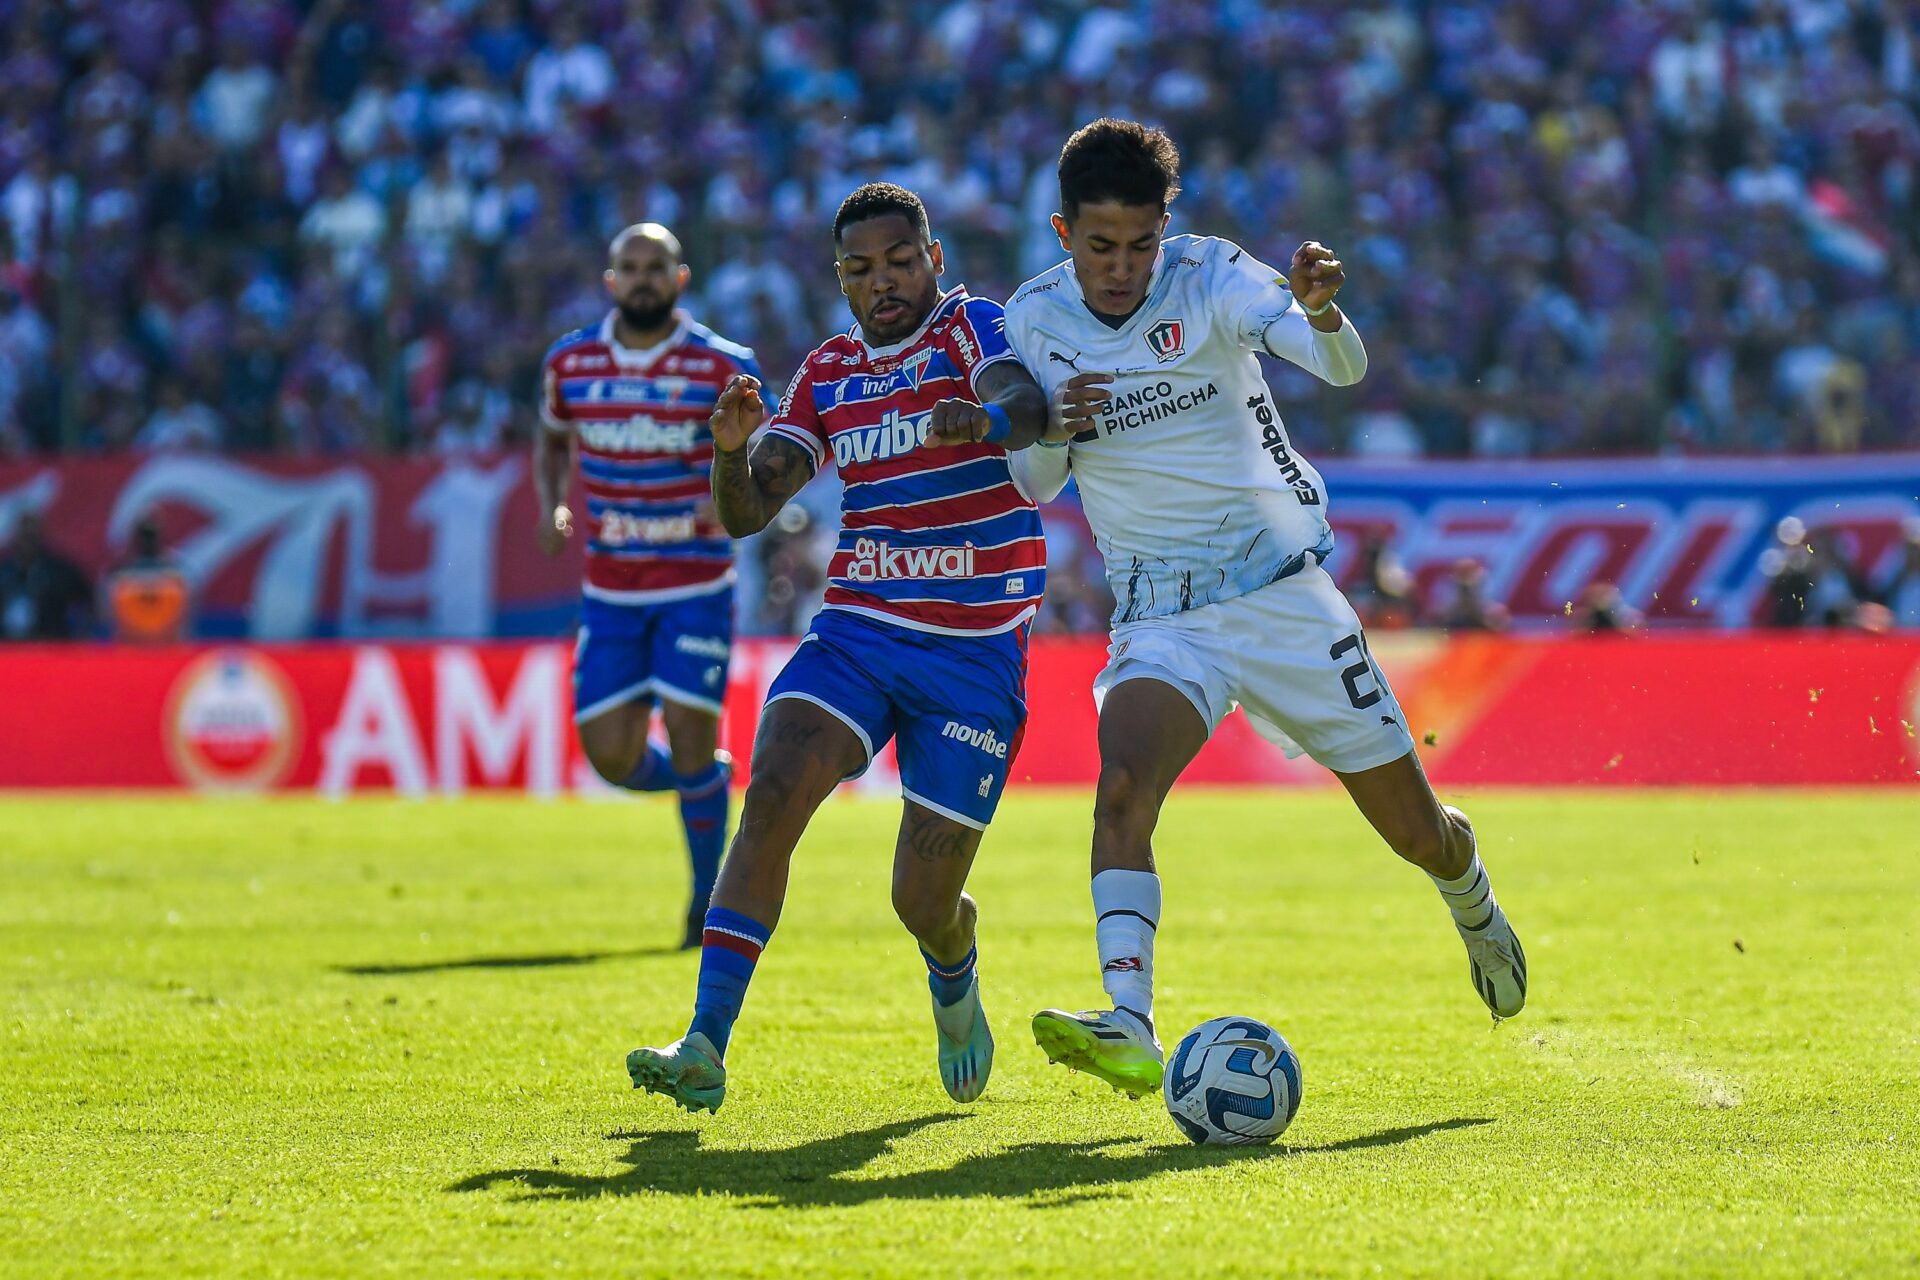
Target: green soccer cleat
{"x":1106,"y":1046}
{"x":966,"y":1045}
{"x":689,"y":1071}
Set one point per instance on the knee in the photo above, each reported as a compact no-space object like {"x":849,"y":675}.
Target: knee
{"x":611,"y":761}
{"x":781,"y":788}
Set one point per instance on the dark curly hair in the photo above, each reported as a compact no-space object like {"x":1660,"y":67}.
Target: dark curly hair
{"x":877,"y":199}
{"x":1119,"y":160}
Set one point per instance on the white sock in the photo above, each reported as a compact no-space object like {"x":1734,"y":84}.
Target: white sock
{"x":1469,"y":895}
{"x":1126,"y":907}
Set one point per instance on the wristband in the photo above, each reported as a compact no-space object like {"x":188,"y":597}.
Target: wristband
{"x":1321,"y":310}
{"x":1001,"y":425}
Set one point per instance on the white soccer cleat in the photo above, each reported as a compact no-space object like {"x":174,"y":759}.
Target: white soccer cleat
{"x":1497,"y":964}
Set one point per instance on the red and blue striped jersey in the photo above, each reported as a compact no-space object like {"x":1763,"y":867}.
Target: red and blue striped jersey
{"x":645,"y":456}
{"x":932,"y":539}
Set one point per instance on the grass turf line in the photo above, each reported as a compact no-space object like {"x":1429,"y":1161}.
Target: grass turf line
{"x":384,"y":1038}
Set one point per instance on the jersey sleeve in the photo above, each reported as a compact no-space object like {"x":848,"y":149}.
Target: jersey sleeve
{"x":798,"y":418}
{"x":1256,"y":302}
{"x":978,"y":338}
{"x":553,"y":409}
{"x":1248,"y":295}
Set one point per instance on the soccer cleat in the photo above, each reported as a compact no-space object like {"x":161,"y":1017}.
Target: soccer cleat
{"x":966,"y":1045}
{"x":1105,"y":1045}
{"x":1497,"y":964}
{"x":689,"y":1071}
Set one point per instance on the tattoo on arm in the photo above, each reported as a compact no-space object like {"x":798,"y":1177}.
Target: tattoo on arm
{"x":1008,"y":384}
{"x":748,"y":491}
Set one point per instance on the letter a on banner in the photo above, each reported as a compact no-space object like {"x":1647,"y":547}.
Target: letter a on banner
{"x":375,"y":728}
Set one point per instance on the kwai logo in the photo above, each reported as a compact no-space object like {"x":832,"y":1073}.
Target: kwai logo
{"x":877,"y":562}
{"x":896,"y":433}
{"x":985,"y":739}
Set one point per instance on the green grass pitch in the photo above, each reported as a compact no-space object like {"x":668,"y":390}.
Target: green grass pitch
{"x":299,"y":1038}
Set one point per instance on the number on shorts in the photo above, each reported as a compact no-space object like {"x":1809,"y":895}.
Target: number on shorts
{"x":1361,"y":670}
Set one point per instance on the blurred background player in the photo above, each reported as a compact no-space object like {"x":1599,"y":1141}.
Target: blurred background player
{"x":631,"y":396}
{"x":1214,"y":531}
{"x":923,"y":634}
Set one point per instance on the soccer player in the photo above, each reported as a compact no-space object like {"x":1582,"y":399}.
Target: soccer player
{"x":922,"y":636}
{"x":1213,"y":531}
{"x":632,"y":395}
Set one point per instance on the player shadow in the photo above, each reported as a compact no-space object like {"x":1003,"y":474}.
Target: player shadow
{"x":553,"y":960}
{"x":811,"y":1175}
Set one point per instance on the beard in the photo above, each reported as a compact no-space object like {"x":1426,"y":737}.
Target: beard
{"x":649,"y":316}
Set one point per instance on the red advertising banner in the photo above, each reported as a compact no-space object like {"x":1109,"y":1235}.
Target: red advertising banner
{"x":1804,"y":708}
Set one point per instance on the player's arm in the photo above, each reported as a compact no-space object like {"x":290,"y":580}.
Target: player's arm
{"x":751,"y":482}
{"x":552,"y":466}
{"x":1324,"y":344}
{"x":1012,"y":411}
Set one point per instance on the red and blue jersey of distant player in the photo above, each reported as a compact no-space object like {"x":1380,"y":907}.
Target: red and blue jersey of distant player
{"x":646,"y":457}
{"x":937,"y":540}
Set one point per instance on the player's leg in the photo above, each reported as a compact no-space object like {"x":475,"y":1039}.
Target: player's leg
{"x":1309,"y":678}
{"x":690,"y":653}
{"x":613,"y":699}
{"x":1151,"y":727}
{"x":801,"y":753}
{"x":930,"y":865}
{"x":1397,"y":799}
{"x":962,"y":709}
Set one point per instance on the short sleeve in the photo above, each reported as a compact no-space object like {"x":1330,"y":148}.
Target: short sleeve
{"x":798,"y":417}
{"x":978,"y":338}
{"x":553,"y":406}
{"x":1249,"y":295}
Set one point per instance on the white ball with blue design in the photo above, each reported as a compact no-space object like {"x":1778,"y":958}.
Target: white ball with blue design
{"x":1233,"y":1081}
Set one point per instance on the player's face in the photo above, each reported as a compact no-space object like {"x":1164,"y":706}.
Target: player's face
{"x":890,"y":275}
{"x":645,"y":282}
{"x":1113,"y":248}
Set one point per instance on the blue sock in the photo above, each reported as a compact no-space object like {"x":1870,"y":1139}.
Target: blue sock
{"x":950,"y":982}
{"x":655,"y":772}
{"x":703,"y":813}
{"x":732,"y":947}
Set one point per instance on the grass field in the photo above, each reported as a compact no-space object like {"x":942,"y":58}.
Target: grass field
{"x":385,"y":1039}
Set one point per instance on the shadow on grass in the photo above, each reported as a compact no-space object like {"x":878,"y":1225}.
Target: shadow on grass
{"x":812,"y":1174}
{"x":555,"y":960}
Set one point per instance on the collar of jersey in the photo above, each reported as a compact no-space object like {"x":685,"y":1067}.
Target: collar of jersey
{"x":1153,"y":282}
{"x":859,"y":335}
{"x":628,"y":356}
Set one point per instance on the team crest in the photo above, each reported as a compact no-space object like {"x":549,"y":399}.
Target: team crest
{"x":915,"y":366}
{"x":1167,"y":339}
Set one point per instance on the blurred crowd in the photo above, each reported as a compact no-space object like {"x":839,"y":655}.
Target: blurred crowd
{"x":1570,"y":225}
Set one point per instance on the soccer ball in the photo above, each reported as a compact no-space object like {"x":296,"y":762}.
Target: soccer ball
{"x":1233,"y":1081}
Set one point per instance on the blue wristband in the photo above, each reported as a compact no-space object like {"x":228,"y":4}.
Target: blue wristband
{"x":1002,"y":425}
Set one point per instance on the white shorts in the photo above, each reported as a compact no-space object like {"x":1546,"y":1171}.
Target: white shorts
{"x":1291,"y":653}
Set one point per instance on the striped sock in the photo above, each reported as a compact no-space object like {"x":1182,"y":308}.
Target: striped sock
{"x":1126,"y":908}
{"x":703,"y":815}
{"x":654,"y":772}
{"x":950,"y":982}
{"x":1469,"y":896}
{"x":731,"y":948}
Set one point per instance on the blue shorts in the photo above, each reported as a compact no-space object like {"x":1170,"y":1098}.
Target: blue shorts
{"x":957,"y":704}
{"x":676,"y":651}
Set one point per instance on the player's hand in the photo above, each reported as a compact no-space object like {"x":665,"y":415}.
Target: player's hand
{"x":956,"y":421}
{"x":1315,"y":275}
{"x":1076,"y":402}
{"x":555,"y":531}
{"x":736,"y":414}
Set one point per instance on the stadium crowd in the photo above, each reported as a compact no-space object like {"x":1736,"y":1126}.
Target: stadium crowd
{"x":1571,"y":226}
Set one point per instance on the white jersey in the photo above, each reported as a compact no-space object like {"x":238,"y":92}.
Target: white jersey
{"x":1190,"y":485}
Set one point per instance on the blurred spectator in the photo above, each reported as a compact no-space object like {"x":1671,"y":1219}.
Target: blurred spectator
{"x":43,"y":595}
{"x":1902,"y":593}
{"x":147,"y":594}
{"x":1602,"y":608}
{"x":1464,"y":605}
{"x":1789,"y":569}
{"x":1382,"y":590}
{"x":181,"y":424}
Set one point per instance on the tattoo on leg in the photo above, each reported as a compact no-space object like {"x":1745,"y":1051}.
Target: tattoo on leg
{"x":794,"y":735}
{"x":933,"y":839}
